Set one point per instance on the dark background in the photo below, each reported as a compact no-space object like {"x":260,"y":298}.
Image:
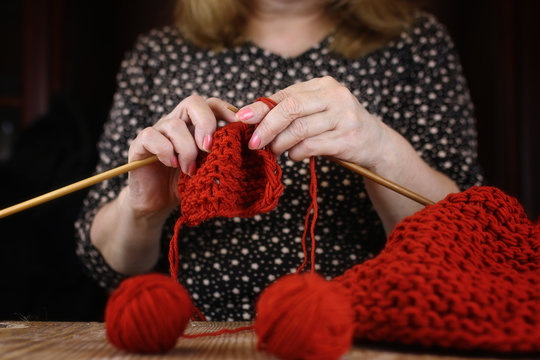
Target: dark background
{"x":57,"y":77}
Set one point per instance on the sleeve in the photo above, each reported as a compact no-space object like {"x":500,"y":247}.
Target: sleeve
{"x":442,"y":126}
{"x":128,"y":116}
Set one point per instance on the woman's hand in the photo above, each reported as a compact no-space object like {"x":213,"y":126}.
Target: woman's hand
{"x":322,"y":117}
{"x":175,"y":139}
{"x":317,"y":117}
{"x":128,"y":229}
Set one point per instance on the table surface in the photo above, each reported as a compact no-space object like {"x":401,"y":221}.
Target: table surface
{"x":86,"y":340}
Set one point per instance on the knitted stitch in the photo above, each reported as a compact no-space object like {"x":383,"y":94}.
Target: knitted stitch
{"x":463,"y":273}
{"x":232,"y":180}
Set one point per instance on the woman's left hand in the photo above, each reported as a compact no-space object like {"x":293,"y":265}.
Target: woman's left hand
{"x":317,"y":117}
{"x":322,"y":117}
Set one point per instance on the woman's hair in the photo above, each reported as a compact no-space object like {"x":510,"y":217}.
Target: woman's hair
{"x":361,"y":25}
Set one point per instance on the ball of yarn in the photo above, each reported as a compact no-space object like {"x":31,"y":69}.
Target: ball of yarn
{"x":304,"y":317}
{"x":147,"y":313}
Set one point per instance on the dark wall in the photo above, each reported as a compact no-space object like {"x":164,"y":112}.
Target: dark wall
{"x":498,"y":44}
{"x":58,"y":77}
{"x":57,"y":88}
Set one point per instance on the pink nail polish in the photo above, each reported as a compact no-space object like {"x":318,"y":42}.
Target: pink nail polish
{"x":254,"y":142}
{"x":207,"y":143}
{"x":244,"y":114}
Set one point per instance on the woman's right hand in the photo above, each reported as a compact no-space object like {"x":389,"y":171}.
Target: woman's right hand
{"x":127,"y":230}
{"x":176,"y":139}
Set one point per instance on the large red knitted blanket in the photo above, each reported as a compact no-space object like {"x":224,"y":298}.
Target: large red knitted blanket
{"x":463,"y":273}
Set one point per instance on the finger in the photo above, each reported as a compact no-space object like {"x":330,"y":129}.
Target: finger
{"x":183,"y":144}
{"x":286,"y":112}
{"x":151,"y":142}
{"x":194,"y":110}
{"x":326,"y":144}
{"x":300,"y":129}
{"x":222,"y":109}
{"x":255,"y":112}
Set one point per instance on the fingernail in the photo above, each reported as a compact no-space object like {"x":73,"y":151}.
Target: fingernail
{"x":207,"y":143}
{"x":192,"y":169}
{"x":254,"y":142}
{"x":175,"y":162}
{"x":244,"y":114}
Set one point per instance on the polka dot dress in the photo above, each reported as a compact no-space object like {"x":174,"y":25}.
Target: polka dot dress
{"x":414,"y":84}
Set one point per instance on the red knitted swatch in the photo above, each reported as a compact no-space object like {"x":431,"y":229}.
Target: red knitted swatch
{"x":463,"y":273}
{"x":232,"y":180}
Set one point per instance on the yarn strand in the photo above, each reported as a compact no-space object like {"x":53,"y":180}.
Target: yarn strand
{"x":313,"y":193}
{"x":313,"y":207}
{"x":173,"y":250}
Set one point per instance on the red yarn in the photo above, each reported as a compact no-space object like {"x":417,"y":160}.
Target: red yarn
{"x":298,"y":317}
{"x":303,"y":316}
{"x":313,"y":206}
{"x":232,"y":180}
{"x":463,"y":273}
{"x":147,"y":313}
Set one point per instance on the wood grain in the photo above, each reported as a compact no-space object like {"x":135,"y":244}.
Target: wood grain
{"x":87,"y":340}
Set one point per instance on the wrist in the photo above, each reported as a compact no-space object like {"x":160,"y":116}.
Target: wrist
{"x":147,"y":217}
{"x":127,"y":238}
{"x":392,"y":153}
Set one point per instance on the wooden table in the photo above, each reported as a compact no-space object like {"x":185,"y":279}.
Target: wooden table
{"x":79,"y":340}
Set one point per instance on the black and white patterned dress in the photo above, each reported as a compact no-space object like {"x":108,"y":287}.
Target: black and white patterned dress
{"x":414,"y":84}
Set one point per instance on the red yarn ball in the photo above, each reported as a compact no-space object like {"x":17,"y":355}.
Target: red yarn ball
{"x":304,"y":317}
{"x":147,"y":313}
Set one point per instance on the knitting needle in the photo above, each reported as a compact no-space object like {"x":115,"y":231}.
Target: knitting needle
{"x":76,"y":186}
{"x":138,"y":163}
{"x":383,"y":181}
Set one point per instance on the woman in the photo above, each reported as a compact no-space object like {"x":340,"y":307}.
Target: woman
{"x":367,"y":81}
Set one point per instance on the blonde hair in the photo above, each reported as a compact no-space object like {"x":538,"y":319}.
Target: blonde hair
{"x":361,"y":25}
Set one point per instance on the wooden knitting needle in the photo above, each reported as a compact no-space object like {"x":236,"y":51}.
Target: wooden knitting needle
{"x":383,"y":181}
{"x":137,"y":164}
{"x":76,"y":186}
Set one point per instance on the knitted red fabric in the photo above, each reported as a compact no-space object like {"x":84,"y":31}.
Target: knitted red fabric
{"x":230,"y":181}
{"x":463,"y":273}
